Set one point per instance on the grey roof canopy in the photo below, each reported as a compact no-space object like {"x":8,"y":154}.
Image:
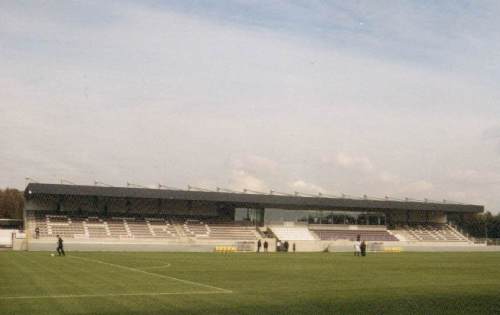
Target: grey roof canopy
{"x":245,"y":199}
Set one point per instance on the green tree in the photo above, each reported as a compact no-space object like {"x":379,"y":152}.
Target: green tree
{"x":11,"y":204}
{"x":482,"y":225}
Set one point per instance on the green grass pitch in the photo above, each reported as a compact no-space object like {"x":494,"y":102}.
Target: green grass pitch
{"x":209,"y":283}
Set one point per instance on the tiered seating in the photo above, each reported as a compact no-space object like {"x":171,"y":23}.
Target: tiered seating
{"x":161,"y":228}
{"x":292,"y":233}
{"x":433,"y":233}
{"x":195,"y":228}
{"x":117,"y":227}
{"x":96,"y":228}
{"x":40,"y":222}
{"x":52,"y":225}
{"x":219,"y":229}
{"x":140,"y":228}
{"x":65,"y":228}
{"x":366,"y":235}
{"x":233,"y":231}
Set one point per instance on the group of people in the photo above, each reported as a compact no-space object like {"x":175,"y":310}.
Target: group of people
{"x":284,"y":247}
{"x":259,"y":245}
{"x":60,"y":245}
{"x":359,"y":247}
{"x":280,"y":247}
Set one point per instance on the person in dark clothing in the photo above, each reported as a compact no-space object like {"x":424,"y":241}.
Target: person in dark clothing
{"x":37,"y":232}
{"x":363,"y":248}
{"x":259,"y":244}
{"x":286,"y":245}
{"x":60,"y":247}
{"x":293,"y":247}
{"x":266,"y":245}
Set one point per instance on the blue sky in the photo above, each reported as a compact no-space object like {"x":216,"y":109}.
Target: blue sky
{"x":359,"y":97}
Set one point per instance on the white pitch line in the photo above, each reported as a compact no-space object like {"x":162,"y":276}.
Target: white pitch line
{"x":154,"y":274}
{"x":156,"y":267}
{"x":70,"y":296}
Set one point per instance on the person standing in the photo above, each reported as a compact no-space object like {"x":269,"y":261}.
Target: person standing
{"x":293,"y":247}
{"x":357,"y":248}
{"x":363,"y":248}
{"x":266,"y":245}
{"x":259,"y":244}
{"x":60,"y":247}
{"x":285,"y":245}
{"x":37,"y":232}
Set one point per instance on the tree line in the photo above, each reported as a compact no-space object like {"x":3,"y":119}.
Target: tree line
{"x":480,"y":225}
{"x":11,"y":203}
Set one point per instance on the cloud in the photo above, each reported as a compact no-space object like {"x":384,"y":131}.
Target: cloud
{"x":475,"y":177}
{"x":349,"y":161}
{"x":491,"y":133}
{"x":306,"y":187}
{"x":419,"y":186}
{"x":467,"y":175}
{"x":387,"y":177}
{"x":255,"y":164}
{"x":252,"y":99}
{"x":241,"y":180}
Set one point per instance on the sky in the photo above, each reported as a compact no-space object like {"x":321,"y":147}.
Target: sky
{"x":376,"y":98}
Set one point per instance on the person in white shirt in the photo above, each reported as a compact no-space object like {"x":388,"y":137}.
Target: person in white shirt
{"x":357,"y":246}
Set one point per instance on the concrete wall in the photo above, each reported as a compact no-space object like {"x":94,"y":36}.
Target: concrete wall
{"x":135,"y":245}
{"x":6,"y":237}
{"x":209,"y":246}
{"x":122,"y":247}
{"x":426,"y":248}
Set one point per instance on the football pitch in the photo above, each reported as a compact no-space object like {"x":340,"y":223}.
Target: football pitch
{"x":209,"y":283}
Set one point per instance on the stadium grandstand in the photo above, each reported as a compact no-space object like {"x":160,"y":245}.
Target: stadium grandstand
{"x":137,"y":218}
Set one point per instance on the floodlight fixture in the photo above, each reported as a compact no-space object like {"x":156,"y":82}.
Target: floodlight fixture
{"x":298,"y":193}
{"x":129,"y":184}
{"x":275,"y":192}
{"x":222,"y":189}
{"x":97,"y":183}
{"x":245,"y":190}
{"x":161,"y":186}
{"x":199,"y":189}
